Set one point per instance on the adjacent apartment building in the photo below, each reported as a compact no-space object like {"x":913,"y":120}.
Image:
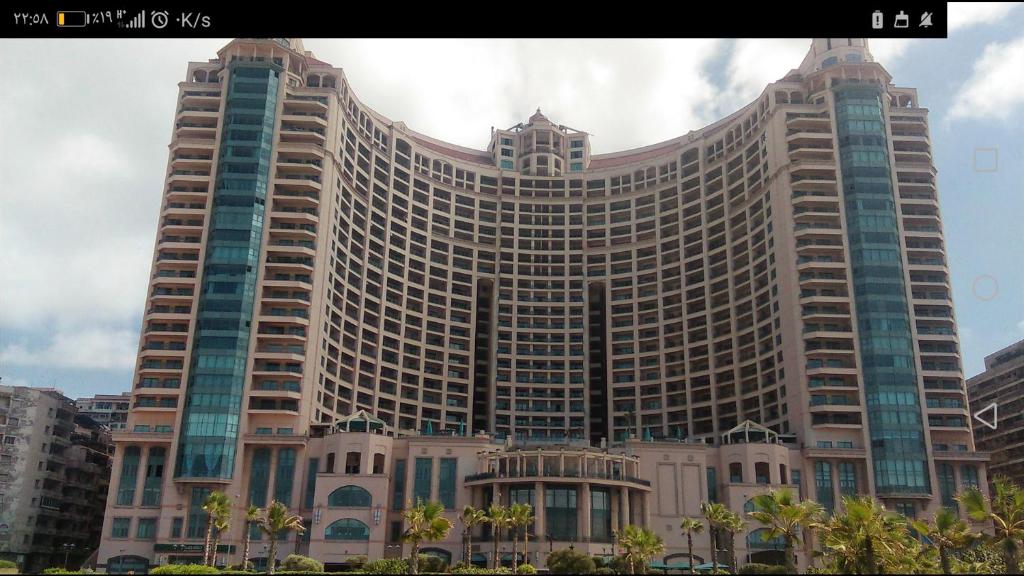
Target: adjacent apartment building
{"x":1002,"y":383}
{"x":54,"y":479}
{"x":110,"y":410}
{"x":346,"y":315}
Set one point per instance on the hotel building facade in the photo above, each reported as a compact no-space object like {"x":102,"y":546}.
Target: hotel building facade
{"x":1002,"y":384}
{"x":345,"y":315}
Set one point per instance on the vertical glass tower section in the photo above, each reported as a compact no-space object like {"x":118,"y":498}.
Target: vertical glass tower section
{"x":216,"y":383}
{"x":880,"y":295}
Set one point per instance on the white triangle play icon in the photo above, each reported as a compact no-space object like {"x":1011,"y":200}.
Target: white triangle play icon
{"x":991,"y":420}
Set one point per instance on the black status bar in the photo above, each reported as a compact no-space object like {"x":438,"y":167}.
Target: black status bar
{"x":90,"y":19}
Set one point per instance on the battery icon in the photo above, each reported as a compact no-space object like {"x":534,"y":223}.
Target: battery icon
{"x":71,"y":19}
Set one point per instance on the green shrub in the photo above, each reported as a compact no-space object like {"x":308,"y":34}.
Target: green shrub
{"x":184,"y":569}
{"x":356,"y":560}
{"x":567,"y":561}
{"x":755,"y":568}
{"x":386,"y":566}
{"x":428,"y":563}
{"x":526,"y":569}
{"x":299,"y":563}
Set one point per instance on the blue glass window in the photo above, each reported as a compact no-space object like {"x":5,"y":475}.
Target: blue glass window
{"x":347,"y":529}
{"x":349,"y":497}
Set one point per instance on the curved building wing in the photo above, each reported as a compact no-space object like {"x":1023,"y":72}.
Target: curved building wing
{"x":339,"y":300}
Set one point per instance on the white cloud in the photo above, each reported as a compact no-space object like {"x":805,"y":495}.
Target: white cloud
{"x":627,"y":93}
{"x":966,"y":14}
{"x":753,"y":65}
{"x":89,"y":348}
{"x":996,"y":86}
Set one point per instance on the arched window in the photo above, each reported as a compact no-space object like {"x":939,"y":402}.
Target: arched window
{"x":444,"y":555}
{"x":349,"y":497}
{"x":127,"y":565}
{"x":756,"y":541}
{"x":347,"y":529}
{"x":749,"y":506}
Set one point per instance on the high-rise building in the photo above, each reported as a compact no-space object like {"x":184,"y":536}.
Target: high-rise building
{"x":761,"y":302}
{"x":54,"y":475}
{"x":1002,"y":383}
{"x":110,"y":410}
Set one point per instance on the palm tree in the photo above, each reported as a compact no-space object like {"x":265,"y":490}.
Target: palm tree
{"x":470,"y":517}
{"x":220,"y":525}
{"x":719,"y":518}
{"x":217,"y":506}
{"x":948,"y":533}
{"x":252,"y":515}
{"x":691,"y":526}
{"x":1005,"y":509}
{"x":639,"y":545}
{"x":497,"y":515}
{"x":785,"y":517}
{"x":520,"y":515}
{"x":426,"y":522}
{"x":866,"y":538}
{"x":733,"y":525}
{"x":275,"y":520}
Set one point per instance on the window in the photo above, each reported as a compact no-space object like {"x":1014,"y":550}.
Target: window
{"x":446,"y":483}
{"x":712,"y":484}
{"x":330,"y":463}
{"x":507,"y":165}
{"x":398,"y":483}
{"x":177,"y":524}
{"x":146,"y":529}
{"x":119,"y":527}
{"x":576,"y":167}
{"x":847,"y":479}
{"x":129,"y":473}
{"x":378,"y":463}
{"x":285,"y":476}
{"x":735,"y":472}
{"x":823,"y":485}
{"x":314,"y":467}
{"x":560,"y":513}
{"x":154,"y":477}
{"x":576,"y":144}
{"x":761,"y":473}
{"x":969,"y":476}
{"x":424,"y":471}
{"x":347,"y":529}
{"x":600,"y":515}
{"x":352,"y":461}
{"x":947,"y":485}
{"x":259,"y":477}
{"x":349,"y":497}
{"x":197,"y":518}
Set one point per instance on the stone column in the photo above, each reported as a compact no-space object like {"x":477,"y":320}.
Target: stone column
{"x":583,"y":506}
{"x":538,"y":511}
{"x":614,"y":504}
{"x":626,"y":516}
{"x":645,"y":498}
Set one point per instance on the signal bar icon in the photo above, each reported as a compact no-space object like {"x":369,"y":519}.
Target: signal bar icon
{"x":138,"y":22}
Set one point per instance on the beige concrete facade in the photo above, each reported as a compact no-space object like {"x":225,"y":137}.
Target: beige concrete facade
{"x":535,"y":294}
{"x":54,"y":477}
{"x":1001,"y":383}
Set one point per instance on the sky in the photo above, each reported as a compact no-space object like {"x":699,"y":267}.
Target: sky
{"x":85,"y":124}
